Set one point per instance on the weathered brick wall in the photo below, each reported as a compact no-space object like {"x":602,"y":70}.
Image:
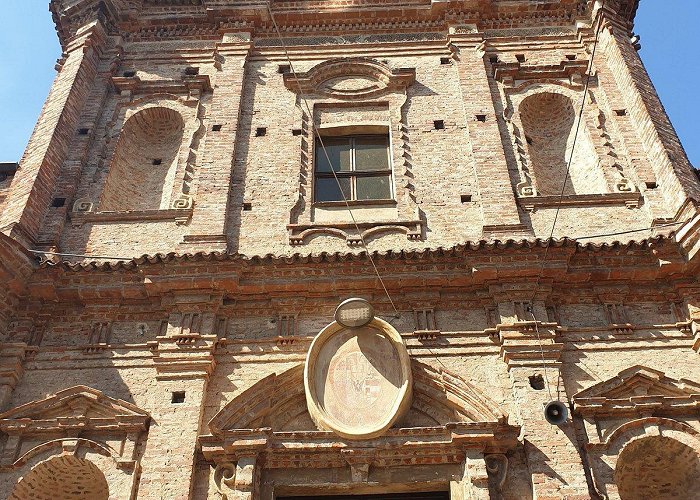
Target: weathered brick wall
{"x":142,"y":169}
{"x":477,"y":142}
{"x":466,"y":160}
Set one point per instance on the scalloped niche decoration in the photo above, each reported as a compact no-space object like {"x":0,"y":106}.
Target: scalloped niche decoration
{"x":354,"y":96}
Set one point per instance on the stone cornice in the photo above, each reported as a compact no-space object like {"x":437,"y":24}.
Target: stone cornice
{"x":422,"y":445}
{"x":473,"y":265}
{"x":182,"y":19}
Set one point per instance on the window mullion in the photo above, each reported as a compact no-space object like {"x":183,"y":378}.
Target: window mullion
{"x":353,"y":168}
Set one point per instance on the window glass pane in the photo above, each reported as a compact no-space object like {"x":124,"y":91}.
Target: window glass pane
{"x":374,"y":188}
{"x":338,"y":150}
{"x":372,"y":153}
{"x":327,"y":189}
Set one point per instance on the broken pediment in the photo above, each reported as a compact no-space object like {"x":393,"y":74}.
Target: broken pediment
{"x":80,"y":407}
{"x":278,"y":402}
{"x":271,"y":420}
{"x":639,"y":389}
{"x":350,"y":78}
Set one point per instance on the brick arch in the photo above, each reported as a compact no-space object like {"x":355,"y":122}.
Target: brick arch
{"x":658,"y":467}
{"x":66,"y":477}
{"x":369,"y":78}
{"x":548,"y":120}
{"x":644,"y":427}
{"x":610,"y":460}
{"x":144,"y":162}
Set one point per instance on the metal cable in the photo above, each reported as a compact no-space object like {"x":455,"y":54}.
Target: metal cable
{"x":325,"y":152}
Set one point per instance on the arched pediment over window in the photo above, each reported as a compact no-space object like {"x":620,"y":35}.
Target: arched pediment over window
{"x":350,"y":78}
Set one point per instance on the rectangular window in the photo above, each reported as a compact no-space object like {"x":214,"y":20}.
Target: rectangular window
{"x":361,"y":165}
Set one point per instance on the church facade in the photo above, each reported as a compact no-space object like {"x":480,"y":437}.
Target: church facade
{"x":378,"y":249}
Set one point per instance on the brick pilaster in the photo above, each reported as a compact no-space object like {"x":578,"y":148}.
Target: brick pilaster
{"x":500,"y":210}
{"x":41,"y":164}
{"x":207,"y":229}
{"x":11,"y":370}
{"x":553,"y":460}
{"x":657,"y":136}
{"x":81,"y":151}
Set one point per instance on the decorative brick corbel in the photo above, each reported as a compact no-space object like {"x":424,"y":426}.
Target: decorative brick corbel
{"x":11,"y":369}
{"x":497,"y":469}
{"x":185,"y":348}
{"x":359,"y":461}
{"x":526,"y":343}
{"x":237,"y":481}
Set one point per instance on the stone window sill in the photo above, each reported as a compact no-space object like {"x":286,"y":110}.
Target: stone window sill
{"x":353,"y":203}
{"x":629,"y":200}
{"x":347,"y":230}
{"x":178,"y":215}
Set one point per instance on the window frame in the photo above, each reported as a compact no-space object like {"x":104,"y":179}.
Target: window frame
{"x":353,"y":174}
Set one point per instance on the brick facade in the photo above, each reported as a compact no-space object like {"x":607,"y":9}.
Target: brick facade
{"x":165,"y":265}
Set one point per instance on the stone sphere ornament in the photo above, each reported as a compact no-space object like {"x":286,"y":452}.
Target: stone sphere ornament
{"x":358,"y":379}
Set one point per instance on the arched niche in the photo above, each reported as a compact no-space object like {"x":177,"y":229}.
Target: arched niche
{"x":144,"y":163}
{"x":658,"y":467}
{"x":548,"y":122}
{"x":650,"y":444}
{"x":66,"y":477}
{"x":79,"y":422}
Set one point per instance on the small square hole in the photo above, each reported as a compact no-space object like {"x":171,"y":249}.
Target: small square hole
{"x":651,"y":185}
{"x":466,"y":198}
{"x":571,"y":57}
{"x":260,"y":132}
{"x":247,"y":207}
{"x":129,"y":74}
{"x":58,"y":202}
{"x":621,"y":112}
{"x":537,"y":382}
{"x":178,"y":397}
{"x":493,"y":59}
{"x":283,"y":69}
{"x":217,"y":128}
{"x":191,"y":71}
{"x":480,"y":118}
{"x":83,"y":131}
{"x":445,"y":60}
{"x":157,"y":161}
{"x":439,"y":124}
{"x":296,"y":131}
{"x":520,"y":58}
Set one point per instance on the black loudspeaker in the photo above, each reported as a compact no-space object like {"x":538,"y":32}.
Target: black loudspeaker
{"x":556,"y":412}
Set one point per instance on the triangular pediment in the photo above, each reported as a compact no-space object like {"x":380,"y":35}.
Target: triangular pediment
{"x":639,"y":386}
{"x":80,"y":405}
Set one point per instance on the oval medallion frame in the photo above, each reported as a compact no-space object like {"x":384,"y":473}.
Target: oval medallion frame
{"x":358,"y":381}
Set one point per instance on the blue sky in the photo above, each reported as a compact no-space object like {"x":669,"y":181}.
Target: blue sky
{"x":30,"y":49}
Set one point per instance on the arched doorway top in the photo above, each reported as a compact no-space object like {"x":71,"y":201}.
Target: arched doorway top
{"x":658,"y":467}
{"x":278,"y":402}
{"x":66,"y":477}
